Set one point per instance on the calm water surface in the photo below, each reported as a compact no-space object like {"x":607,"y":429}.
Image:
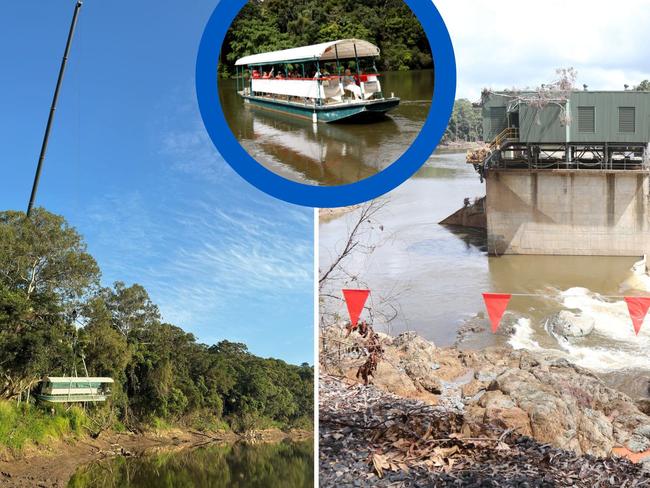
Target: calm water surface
{"x":437,"y":275}
{"x":283,"y":465}
{"x":331,"y":154}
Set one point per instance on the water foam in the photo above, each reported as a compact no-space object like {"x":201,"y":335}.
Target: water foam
{"x":522,"y":338}
{"x":640,"y":279}
{"x":612,"y":346}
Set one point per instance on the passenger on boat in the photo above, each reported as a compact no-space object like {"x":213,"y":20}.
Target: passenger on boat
{"x":256,"y":74}
{"x":350,"y":84}
{"x":280,"y":76}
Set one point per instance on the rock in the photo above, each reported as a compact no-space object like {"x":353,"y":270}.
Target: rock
{"x":472,"y":388}
{"x":569,"y":324}
{"x":595,"y":433}
{"x":411,"y":344}
{"x":643,"y":404}
{"x":393,"y":380}
{"x":638,"y":443}
{"x":420,"y":372}
{"x":537,"y":394}
{"x":495,"y":411}
{"x":496,"y":399}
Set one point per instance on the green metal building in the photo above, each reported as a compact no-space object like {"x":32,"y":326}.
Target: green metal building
{"x":607,"y":129}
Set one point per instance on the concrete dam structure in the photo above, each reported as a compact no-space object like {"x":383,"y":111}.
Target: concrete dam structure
{"x":568,"y":212}
{"x":569,"y":176}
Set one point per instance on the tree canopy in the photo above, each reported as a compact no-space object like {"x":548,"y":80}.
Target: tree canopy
{"x":54,"y":314}
{"x":270,"y":25}
{"x":465,"y":123}
{"x":643,"y":86}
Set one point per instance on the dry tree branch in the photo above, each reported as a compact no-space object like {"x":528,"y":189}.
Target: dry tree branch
{"x":368,"y":211}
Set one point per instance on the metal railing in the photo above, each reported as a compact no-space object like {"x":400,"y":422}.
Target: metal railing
{"x":509,"y":134}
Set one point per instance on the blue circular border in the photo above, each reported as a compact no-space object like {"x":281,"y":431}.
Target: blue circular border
{"x":326,"y":196}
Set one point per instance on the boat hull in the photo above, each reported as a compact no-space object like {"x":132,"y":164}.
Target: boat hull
{"x":343,"y":112}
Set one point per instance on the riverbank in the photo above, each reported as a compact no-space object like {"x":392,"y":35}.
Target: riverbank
{"x":503,"y":397}
{"x":458,"y":146}
{"x":54,"y":465}
{"x":326,"y":214}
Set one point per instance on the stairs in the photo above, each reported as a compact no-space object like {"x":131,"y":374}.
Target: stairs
{"x":482,"y":156}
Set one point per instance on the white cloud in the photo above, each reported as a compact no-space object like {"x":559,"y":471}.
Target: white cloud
{"x":506,"y":43}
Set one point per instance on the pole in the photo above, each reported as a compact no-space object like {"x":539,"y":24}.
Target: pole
{"x":55,"y":99}
{"x":338,"y":64}
{"x":356,"y":60}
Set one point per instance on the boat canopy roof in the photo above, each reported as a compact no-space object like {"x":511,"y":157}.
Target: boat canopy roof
{"x":71,"y":379}
{"x":326,"y":51}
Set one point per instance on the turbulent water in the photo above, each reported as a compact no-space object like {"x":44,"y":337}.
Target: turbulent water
{"x":435,"y":277}
{"x":283,"y":465}
{"x":331,"y":154}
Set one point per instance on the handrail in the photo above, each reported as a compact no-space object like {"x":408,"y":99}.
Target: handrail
{"x":507,"y":134}
{"x":322,"y":78}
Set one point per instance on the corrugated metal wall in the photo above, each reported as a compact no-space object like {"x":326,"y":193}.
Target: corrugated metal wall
{"x":541,"y":124}
{"x":494,"y":116}
{"x":613,"y":112}
{"x":596,"y":117}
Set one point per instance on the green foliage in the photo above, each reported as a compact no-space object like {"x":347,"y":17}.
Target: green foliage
{"x":45,"y":273}
{"x":465,"y":124}
{"x":162,"y":375}
{"x":643,"y":86}
{"x":271,"y":25}
{"x":22,"y":425}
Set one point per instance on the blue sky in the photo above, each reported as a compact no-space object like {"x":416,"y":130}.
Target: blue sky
{"x":131,"y":167}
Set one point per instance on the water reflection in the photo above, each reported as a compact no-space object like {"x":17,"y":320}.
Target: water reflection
{"x":331,"y":154}
{"x":283,"y":465}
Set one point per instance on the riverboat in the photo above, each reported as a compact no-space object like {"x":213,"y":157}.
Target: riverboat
{"x":74,"y":389}
{"x":323,"y":83}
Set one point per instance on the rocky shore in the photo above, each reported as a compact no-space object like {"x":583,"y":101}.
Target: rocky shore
{"x":533,"y":406}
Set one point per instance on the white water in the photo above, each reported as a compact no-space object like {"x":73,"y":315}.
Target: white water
{"x":612,"y":346}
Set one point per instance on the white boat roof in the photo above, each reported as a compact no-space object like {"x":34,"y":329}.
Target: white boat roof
{"x":325,"y":51}
{"x":72,"y":379}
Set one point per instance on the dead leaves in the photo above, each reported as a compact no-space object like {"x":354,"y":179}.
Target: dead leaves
{"x":371,"y":438}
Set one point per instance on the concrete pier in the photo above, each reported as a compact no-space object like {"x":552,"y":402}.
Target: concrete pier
{"x":568,"y":212}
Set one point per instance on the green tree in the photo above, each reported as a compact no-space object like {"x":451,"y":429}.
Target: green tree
{"x":643,"y":86}
{"x":53,"y":314}
{"x":276,"y":24}
{"x":45,"y":272}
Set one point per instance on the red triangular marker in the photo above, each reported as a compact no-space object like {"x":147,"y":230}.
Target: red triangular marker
{"x":638,"y":307}
{"x":355,"y":300}
{"x":496,"y":304}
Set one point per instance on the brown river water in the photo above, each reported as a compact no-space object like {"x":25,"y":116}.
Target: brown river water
{"x":437,"y":275}
{"x":331,"y":154}
{"x":281,"y":465}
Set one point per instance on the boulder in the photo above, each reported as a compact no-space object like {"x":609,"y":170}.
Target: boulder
{"x":421,"y":373}
{"x":569,"y":324}
{"x":412,"y":345}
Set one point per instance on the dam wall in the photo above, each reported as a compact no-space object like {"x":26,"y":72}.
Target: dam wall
{"x":568,"y":212}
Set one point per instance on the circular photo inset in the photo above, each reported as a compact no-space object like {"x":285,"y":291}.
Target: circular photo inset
{"x":326,"y":93}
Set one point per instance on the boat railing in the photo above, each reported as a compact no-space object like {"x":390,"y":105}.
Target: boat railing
{"x":363,"y":78}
